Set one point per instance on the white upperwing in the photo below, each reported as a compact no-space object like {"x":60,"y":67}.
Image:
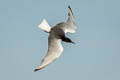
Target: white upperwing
{"x":54,"y":51}
{"x":44,"y":26}
{"x":69,"y":25}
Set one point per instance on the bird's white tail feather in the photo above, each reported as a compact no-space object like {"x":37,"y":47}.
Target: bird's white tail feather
{"x":44,"y":26}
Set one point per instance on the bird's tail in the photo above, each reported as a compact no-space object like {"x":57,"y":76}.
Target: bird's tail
{"x":44,"y":26}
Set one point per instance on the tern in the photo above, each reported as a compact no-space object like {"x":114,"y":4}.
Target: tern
{"x":56,"y":36}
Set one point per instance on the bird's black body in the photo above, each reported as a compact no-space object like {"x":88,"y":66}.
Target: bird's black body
{"x":60,"y":34}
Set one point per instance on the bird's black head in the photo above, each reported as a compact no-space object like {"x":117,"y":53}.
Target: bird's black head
{"x":69,"y":40}
{"x":65,"y":39}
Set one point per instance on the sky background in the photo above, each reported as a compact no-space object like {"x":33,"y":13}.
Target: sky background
{"x":95,"y":56}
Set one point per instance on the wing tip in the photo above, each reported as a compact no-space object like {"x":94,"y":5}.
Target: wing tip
{"x":70,"y":13}
{"x":39,"y":68}
{"x":68,"y":6}
{"x":36,"y":70}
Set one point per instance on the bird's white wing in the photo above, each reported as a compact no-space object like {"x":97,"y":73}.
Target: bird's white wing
{"x":69,"y":25}
{"x":44,"y":26}
{"x":54,"y":51}
{"x":70,"y":15}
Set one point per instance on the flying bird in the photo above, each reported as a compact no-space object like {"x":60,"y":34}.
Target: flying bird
{"x":56,"y":36}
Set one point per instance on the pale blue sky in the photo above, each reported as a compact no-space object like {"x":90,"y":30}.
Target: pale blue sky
{"x":95,"y":56}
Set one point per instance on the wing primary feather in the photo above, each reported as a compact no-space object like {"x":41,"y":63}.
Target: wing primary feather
{"x":70,"y":9}
{"x":70,"y":15}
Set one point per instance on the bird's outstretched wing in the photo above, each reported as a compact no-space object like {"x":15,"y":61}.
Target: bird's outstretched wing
{"x":54,"y":51}
{"x":69,"y":25}
{"x":70,"y":15}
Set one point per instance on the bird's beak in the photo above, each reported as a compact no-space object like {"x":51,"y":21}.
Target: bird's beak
{"x":73,"y":42}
